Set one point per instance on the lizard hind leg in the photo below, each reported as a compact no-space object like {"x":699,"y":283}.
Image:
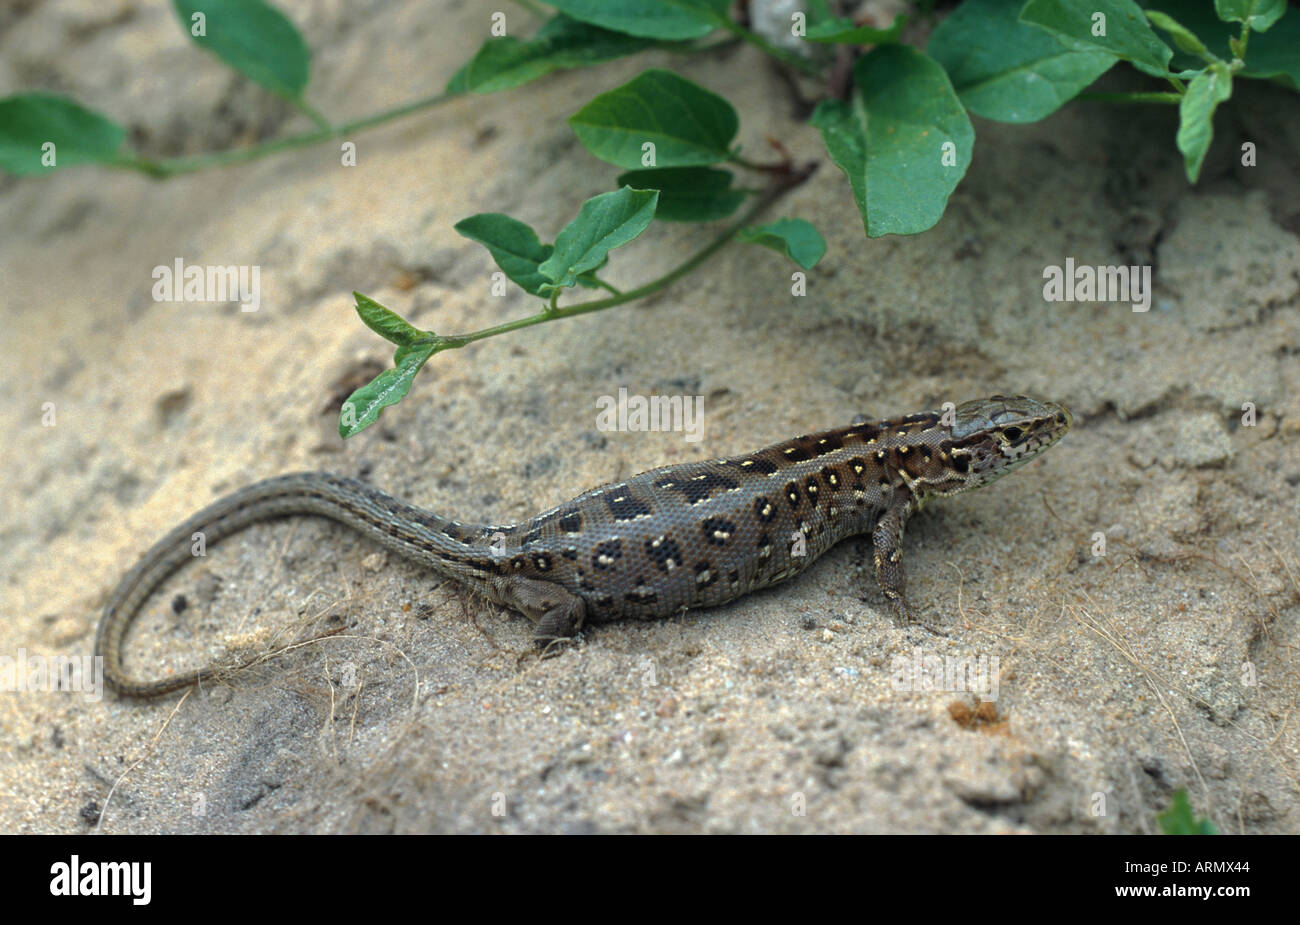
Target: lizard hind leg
{"x":557,"y":612}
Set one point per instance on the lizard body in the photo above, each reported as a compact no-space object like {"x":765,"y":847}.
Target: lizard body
{"x":690,"y":535}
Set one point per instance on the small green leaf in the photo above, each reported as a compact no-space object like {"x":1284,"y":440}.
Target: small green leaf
{"x":79,"y":135}
{"x":562,"y":43}
{"x":653,"y":19}
{"x":1272,"y":55}
{"x":1182,"y":36}
{"x":604,"y":222}
{"x":794,"y":237}
{"x":387,"y":324}
{"x":1179,"y":819}
{"x":1124,"y":30}
{"x":253,"y":37}
{"x":1196,"y":115}
{"x":1258,"y":14}
{"x":687,"y":124}
{"x":1007,"y":70}
{"x":892,"y":138}
{"x":513,"y":245}
{"x":688,"y":194}
{"x":846,"y":32}
{"x":388,"y":388}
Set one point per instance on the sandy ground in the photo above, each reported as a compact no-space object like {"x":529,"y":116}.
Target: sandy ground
{"x":1169,"y":662}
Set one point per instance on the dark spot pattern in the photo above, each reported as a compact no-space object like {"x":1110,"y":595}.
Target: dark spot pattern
{"x":664,"y":553}
{"x":700,"y":487}
{"x":607,"y":554}
{"x":717,"y":530}
{"x":571,"y":522}
{"x":759,"y":464}
{"x":641,"y":596}
{"x":624,"y":506}
{"x":764,"y":510}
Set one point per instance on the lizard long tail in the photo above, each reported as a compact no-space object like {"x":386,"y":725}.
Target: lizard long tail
{"x":410,"y":531}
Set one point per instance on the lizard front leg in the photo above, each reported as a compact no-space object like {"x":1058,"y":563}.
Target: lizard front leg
{"x":888,"y":556}
{"x":557,"y":611}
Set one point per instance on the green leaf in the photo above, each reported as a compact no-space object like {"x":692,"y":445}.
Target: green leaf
{"x":1271,"y":55}
{"x":688,"y":194}
{"x":890,"y":139}
{"x":653,"y":19}
{"x":687,"y":124}
{"x":794,"y":237}
{"x":1275,"y":54}
{"x":513,"y":245}
{"x":79,"y":135}
{"x":1179,"y":819}
{"x":388,"y":388}
{"x":387,"y":324}
{"x":1258,"y":14}
{"x":1006,"y":70}
{"x":1182,"y":36}
{"x":1128,"y":35}
{"x":1196,"y":115}
{"x":604,"y":222}
{"x":254,"y":38}
{"x":562,"y":43}
{"x":847,"y":32}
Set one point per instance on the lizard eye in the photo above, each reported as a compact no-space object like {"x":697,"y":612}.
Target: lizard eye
{"x":1013,"y":433}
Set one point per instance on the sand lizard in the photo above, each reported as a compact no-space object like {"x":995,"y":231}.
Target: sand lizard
{"x":696,"y":534}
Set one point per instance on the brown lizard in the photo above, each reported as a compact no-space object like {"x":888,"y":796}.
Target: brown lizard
{"x":695,"y":534}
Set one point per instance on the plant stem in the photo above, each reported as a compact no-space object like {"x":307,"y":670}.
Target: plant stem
{"x":606,"y":286}
{"x":683,"y":48}
{"x":1239,"y":52}
{"x":552,"y":313}
{"x":1099,"y":97}
{"x":311,"y":113}
{"x":777,"y":168}
{"x":798,"y":62}
{"x":180,"y":165}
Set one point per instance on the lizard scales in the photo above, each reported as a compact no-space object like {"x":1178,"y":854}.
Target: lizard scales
{"x":695,"y":534}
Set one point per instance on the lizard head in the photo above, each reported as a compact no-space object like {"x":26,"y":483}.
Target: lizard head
{"x":992,"y":436}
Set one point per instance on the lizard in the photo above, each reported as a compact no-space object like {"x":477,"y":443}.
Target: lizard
{"x":689,"y":535}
